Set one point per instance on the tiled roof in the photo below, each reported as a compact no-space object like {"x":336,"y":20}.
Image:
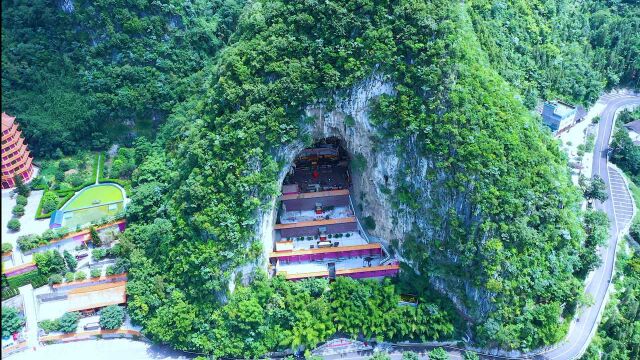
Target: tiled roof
{"x":312,"y":195}
{"x":7,"y":121}
{"x":281,"y":254}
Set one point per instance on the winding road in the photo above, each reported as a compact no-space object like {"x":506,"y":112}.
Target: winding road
{"x":580,"y":331}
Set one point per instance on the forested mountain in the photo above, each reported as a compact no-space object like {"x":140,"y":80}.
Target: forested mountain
{"x":87,"y":73}
{"x":495,"y":223}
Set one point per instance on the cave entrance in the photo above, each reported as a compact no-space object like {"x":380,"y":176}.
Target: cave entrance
{"x":321,"y":167}
{"x":316,"y":232}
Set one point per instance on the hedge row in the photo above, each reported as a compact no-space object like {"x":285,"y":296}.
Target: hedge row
{"x":68,"y":194}
{"x":32,"y":277}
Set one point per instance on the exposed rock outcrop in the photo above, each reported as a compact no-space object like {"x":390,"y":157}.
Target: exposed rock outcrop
{"x":66,"y":6}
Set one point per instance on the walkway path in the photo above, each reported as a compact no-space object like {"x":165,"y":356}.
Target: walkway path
{"x":30,"y":315}
{"x":28,"y":223}
{"x":98,"y":168}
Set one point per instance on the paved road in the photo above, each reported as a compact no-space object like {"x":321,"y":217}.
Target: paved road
{"x":120,"y":349}
{"x":580,"y":332}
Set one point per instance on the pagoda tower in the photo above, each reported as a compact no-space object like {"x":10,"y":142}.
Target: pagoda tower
{"x":15,"y":155}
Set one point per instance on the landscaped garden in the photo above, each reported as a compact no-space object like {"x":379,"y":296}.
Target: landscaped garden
{"x":61,"y":178}
{"x":71,"y":178}
{"x":67,"y":173}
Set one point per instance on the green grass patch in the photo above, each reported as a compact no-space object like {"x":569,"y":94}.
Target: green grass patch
{"x":100,"y":194}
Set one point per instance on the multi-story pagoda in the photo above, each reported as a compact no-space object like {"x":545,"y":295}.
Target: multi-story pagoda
{"x":15,"y":155}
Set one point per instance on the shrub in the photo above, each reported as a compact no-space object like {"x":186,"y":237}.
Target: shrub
{"x":21,"y":188}
{"x":13,"y":225}
{"x":438,"y":354}
{"x":18,"y":210}
{"x":55,"y":279}
{"x":468,"y":355}
{"x":6,"y":247}
{"x":111,"y":270}
{"x":634,"y":231}
{"x":96,"y":273}
{"x":410,"y":355}
{"x":49,"y":325}
{"x":111,"y":317}
{"x":95,"y":238}
{"x":59,"y":176}
{"x":12,"y":321}
{"x":81,"y":275}
{"x":9,"y":292}
{"x":65,"y":186}
{"x":50,"y":262}
{"x":28,"y":242}
{"x":21,"y":200}
{"x":69,"y":322}
{"x":595,"y":120}
{"x":98,"y":254}
{"x":64,"y":165}
{"x":75,"y":180}
{"x":49,"y":202}
{"x":32,"y":277}
{"x":48,"y":235}
{"x":369,"y":223}
{"x":69,"y":277}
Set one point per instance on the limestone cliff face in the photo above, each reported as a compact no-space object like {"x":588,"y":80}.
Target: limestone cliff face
{"x":390,"y":164}
{"x":382,"y":163}
{"x":393,"y":165}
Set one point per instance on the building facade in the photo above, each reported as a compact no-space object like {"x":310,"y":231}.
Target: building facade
{"x":560,"y":116}
{"x":16,"y":159}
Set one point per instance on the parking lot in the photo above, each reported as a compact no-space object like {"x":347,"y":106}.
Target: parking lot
{"x":622,"y":201}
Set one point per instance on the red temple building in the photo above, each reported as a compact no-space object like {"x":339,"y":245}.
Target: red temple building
{"x":15,"y":155}
{"x":317,"y":234}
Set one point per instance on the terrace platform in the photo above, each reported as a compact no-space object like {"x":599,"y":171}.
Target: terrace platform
{"x":291,"y":217}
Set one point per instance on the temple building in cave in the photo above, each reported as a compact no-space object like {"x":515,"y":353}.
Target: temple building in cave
{"x":317,"y":234}
{"x":16,"y":160}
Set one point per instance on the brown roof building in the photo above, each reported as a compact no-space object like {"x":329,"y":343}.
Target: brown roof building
{"x":16,"y":159}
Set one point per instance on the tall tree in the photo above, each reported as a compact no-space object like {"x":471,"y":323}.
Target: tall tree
{"x":70,"y":260}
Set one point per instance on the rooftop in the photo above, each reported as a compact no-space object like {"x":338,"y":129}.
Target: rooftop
{"x":315,"y":223}
{"x":84,"y":298}
{"x":310,"y":215}
{"x":349,"y":270}
{"x":562,"y":109}
{"x":633,"y":126}
{"x":316,"y":251}
{"x":313,"y":195}
{"x":7,"y":121}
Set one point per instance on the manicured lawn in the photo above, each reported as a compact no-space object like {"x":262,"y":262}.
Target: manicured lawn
{"x":104,"y":193}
